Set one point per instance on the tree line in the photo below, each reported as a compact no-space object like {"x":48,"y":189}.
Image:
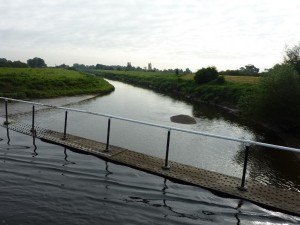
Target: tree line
{"x":129,"y":67}
{"x":37,"y":62}
{"x":32,"y":63}
{"x":8,"y":63}
{"x":248,"y":70}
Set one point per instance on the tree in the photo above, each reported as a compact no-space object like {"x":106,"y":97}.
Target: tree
{"x":292,"y":57}
{"x":249,"y":70}
{"x":205,"y":75}
{"x":8,"y":63}
{"x":277,"y":99}
{"x":4,"y":63}
{"x":36,"y":63}
{"x":187,"y":71}
{"x":19,"y":64}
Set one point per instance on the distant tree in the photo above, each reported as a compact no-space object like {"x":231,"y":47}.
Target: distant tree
{"x":79,"y":66}
{"x":187,"y":71}
{"x":139,"y":69}
{"x":5,"y":63}
{"x":129,"y":67}
{"x":63,"y":66}
{"x":292,"y":57}
{"x":19,"y":64}
{"x":249,"y":70}
{"x":231,"y":72}
{"x":36,"y":63}
{"x":205,"y":75}
{"x":16,"y":64}
{"x":103,"y":67}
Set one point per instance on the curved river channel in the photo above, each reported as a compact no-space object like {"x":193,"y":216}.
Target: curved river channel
{"x":46,"y":184}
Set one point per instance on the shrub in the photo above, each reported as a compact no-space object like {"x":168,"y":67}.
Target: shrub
{"x":205,"y":75}
{"x":277,"y":98}
{"x":220,"y":80}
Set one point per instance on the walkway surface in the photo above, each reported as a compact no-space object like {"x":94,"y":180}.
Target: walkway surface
{"x":267,"y":196}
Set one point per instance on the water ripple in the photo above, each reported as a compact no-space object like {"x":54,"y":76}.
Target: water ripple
{"x":64,"y":187}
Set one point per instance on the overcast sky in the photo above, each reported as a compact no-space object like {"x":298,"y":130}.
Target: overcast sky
{"x":168,"y":33}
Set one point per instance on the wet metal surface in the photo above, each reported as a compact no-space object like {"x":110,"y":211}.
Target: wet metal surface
{"x":280,"y":199}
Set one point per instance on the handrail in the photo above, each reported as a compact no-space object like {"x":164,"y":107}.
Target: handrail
{"x":244,"y":141}
{"x":166,"y":166}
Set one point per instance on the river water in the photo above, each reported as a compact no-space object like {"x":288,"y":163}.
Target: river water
{"x":43,"y":183}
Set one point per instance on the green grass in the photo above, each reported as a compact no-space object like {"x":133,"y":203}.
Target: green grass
{"x":242,"y":79}
{"x":231,"y":79}
{"x":184,"y":86}
{"x":48,"y":82}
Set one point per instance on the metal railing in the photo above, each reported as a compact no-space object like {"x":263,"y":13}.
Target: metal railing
{"x":166,"y":166}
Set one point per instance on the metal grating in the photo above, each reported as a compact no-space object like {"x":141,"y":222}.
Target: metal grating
{"x":280,"y":199}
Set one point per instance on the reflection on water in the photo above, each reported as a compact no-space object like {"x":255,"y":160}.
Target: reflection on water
{"x":64,"y":187}
{"x":67,"y":162}
{"x":7,"y":135}
{"x":34,"y":154}
{"x":272,"y":167}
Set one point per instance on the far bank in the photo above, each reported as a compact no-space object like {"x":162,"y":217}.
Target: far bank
{"x":183,"y":87}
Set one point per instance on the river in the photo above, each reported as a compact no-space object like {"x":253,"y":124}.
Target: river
{"x":56,"y":174}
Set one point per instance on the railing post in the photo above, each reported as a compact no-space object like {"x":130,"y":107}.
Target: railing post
{"x":243,"y":187}
{"x":108,"y":134}
{"x":32,"y":128}
{"x":6,"y":113}
{"x":166,"y":166}
{"x":65,"y":127}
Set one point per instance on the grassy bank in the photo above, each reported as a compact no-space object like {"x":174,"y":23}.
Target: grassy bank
{"x":25,"y":83}
{"x":227,"y":94}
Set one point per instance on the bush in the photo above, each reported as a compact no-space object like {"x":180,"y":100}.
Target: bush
{"x":220,"y":80}
{"x":205,"y":75}
{"x":277,"y":99}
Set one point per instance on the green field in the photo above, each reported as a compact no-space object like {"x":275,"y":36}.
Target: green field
{"x":49,"y":82}
{"x":184,"y":86}
{"x":232,"y":79}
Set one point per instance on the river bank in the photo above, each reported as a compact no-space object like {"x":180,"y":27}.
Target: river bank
{"x":37,"y":83}
{"x":225,"y":96}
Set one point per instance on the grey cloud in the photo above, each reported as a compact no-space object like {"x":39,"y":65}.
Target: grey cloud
{"x":190,"y":28}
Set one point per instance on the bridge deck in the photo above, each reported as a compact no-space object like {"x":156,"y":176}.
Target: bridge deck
{"x":275,"y":198}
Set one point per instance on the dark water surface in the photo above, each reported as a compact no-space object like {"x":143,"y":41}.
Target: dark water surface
{"x":47,"y":184}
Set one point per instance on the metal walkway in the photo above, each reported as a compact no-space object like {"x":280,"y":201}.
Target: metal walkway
{"x":269,"y":197}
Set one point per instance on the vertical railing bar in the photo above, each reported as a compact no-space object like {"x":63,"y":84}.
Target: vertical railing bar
{"x":32,"y":128}
{"x":65,"y":126}
{"x":108,"y":135}
{"x":166,"y":166}
{"x":6,"y":113}
{"x":243,"y":187}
